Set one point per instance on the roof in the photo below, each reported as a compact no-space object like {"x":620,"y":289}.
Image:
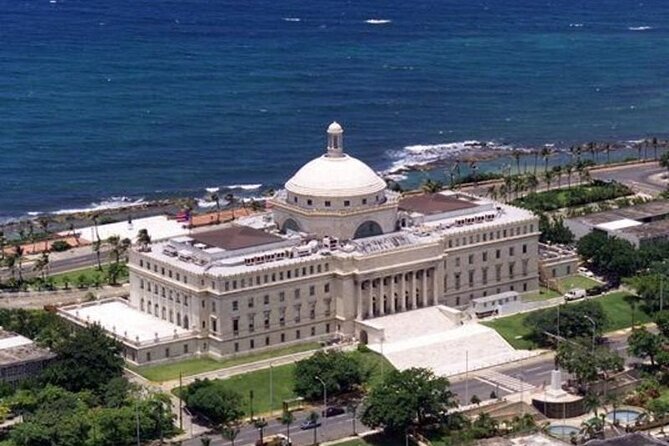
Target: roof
{"x":645,"y":212}
{"x":235,"y":237}
{"x":635,"y":439}
{"x":655,"y":229}
{"x":16,"y":348}
{"x":618,"y":224}
{"x":342,"y":176}
{"x":436,"y":203}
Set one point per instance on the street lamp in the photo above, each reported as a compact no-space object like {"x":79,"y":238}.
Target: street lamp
{"x":325,"y":403}
{"x":594,"y":330}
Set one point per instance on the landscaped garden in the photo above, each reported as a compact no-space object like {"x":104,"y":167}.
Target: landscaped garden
{"x":577,"y":281}
{"x":555,"y":199}
{"x":194,"y":366}
{"x":616,"y":307}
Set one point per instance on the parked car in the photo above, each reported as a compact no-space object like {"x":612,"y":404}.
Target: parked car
{"x":332,"y":411}
{"x":310,"y":424}
{"x":574,"y":294}
{"x":275,"y":440}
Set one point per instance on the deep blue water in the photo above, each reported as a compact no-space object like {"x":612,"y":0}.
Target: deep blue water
{"x":146,"y":98}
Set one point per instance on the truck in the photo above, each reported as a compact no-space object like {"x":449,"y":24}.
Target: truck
{"x":575,"y":294}
{"x":275,"y":440}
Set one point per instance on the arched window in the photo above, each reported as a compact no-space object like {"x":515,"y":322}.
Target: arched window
{"x":141,"y":304}
{"x":290,"y":225}
{"x":186,"y":326}
{"x":368,"y":229}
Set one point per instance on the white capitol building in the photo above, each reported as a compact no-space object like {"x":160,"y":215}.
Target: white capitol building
{"x":336,"y":252}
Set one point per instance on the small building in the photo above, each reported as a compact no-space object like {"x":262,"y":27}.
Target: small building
{"x":633,"y":439}
{"x":21,"y":358}
{"x":556,"y":262}
{"x":502,"y":303}
{"x":641,"y":224}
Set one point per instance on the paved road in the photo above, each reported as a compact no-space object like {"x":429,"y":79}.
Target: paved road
{"x":331,"y":429}
{"x":82,"y":258}
{"x":641,"y":178}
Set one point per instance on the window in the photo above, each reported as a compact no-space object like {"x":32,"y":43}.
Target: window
{"x":512,"y":267}
{"x":236,"y":347}
{"x":282,"y":316}
{"x":525,"y":267}
{"x":457,"y":281}
{"x":347,"y":203}
{"x":266,"y":299}
{"x":283,"y":337}
{"x":297,"y":308}
{"x":148,"y":356}
{"x":457,"y":262}
{"x":141,"y":284}
{"x":524,"y":249}
{"x":568,"y":269}
{"x":471,"y":259}
{"x":498,"y":272}
{"x":282,"y":296}
{"x":141,"y":263}
{"x":498,"y":253}
{"x":266,"y":319}
{"x":312,"y":312}
{"x":235,"y":305}
{"x":213,"y":306}
{"x":313,"y":331}
{"x":327,"y":203}
{"x":252,"y":325}
{"x":295,"y":199}
{"x":203,"y":304}
{"x":312,"y":290}
{"x":266,"y":340}
{"x":326,"y":287}
{"x":309,"y":202}
{"x":167,"y":352}
{"x":511,"y":251}
{"x":235,"y":327}
{"x":250,"y":302}
{"x":297,"y":334}
{"x":252,"y":344}
{"x":471,"y":278}
{"x":364,"y":201}
{"x":327,"y":328}
{"x":484,"y":276}
{"x":297,"y":293}
{"x":185,"y":349}
{"x":214,"y":325}
{"x":485,"y":256}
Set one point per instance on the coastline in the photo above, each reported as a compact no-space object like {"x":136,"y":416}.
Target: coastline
{"x":486,"y":157}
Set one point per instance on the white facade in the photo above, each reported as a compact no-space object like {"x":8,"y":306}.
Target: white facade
{"x":239,"y":289}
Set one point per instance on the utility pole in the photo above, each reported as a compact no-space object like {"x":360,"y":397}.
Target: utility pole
{"x":181,"y":408}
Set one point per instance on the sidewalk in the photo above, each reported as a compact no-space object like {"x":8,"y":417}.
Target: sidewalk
{"x":38,"y":299}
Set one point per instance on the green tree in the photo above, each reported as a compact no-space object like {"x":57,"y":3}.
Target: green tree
{"x":143,"y":239}
{"x":341,"y":372}
{"x":230,"y":431}
{"x":89,"y":359}
{"x":659,"y":408}
{"x":431,"y":186}
{"x":475,"y":400}
{"x":644,"y":344}
{"x":573,"y":324}
{"x":287,"y":418}
{"x":662,"y":321}
{"x":408,"y":397}
{"x":214,"y":400}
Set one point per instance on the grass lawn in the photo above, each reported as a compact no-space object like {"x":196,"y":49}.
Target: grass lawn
{"x":283,"y":383}
{"x":577,"y":281}
{"x":167,"y":372}
{"x":513,"y":330}
{"x":543,"y":294}
{"x":374,"y":440}
{"x":88,"y":274}
{"x":618,"y":314}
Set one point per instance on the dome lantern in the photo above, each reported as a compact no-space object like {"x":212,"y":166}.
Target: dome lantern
{"x":335,"y":140}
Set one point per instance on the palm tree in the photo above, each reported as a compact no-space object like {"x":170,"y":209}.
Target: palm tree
{"x":638,"y":148}
{"x":3,"y":243}
{"x":474,"y":168}
{"x":558,"y":174}
{"x":536,"y":160}
{"x":592,"y":402}
{"x":508,"y":186}
{"x":431,"y":186}
{"x":230,"y":198}
{"x":546,"y":152}
{"x":229,"y":432}
{"x":504,"y":192}
{"x":492,"y":192}
{"x":44,"y":224}
{"x":654,"y":142}
{"x":18,"y":254}
{"x":97,"y":244}
{"x":313,"y":418}
{"x":607,"y":149}
{"x":592,"y":148}
{"x":42,"y":265}
{"x":516,"y":155}
{"x":569,"y":169}
{"x":287,"y":418}
{"x":548,"y":177}
{"x":532,"y":182}
{"x":143,"y":239}
{"x":213,"y":196}
{"x":260,"y":424}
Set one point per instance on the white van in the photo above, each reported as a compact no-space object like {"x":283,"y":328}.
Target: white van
{"x":575,"y":294}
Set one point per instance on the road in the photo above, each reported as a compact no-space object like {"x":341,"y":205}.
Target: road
{"x":332,"y":428}
{"x":62,"y":262}
{"x":640,"y":178}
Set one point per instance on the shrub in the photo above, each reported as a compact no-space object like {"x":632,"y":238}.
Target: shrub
{"x":60,"y":246}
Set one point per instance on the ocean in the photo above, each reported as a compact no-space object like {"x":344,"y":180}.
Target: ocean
{"x":144,"y":99}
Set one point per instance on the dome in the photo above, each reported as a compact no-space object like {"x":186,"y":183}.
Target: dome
{"x":342,"y":176}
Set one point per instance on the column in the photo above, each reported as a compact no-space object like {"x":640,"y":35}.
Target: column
{"x":424,"y":290}
{"x":412,"y":293}
{"x":381,"y":301}
{"x":435,"y":287}
{"x":402,"y":293}
{"x":370,"y":300}
{"x":392,"y":294}
{"x":360,"y":293}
